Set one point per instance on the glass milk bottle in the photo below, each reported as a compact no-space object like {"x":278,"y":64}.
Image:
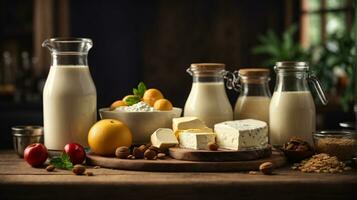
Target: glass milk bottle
{"x":292,"y":110}
{"x":69,"y":96}
{"x":254,"y":99}
{"x":208,"y":99}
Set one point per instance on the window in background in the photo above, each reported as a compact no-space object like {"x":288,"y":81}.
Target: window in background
{"x":322,"y":18}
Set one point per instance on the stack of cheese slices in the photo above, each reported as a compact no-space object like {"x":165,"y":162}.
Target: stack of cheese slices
{"x":192,"y":133}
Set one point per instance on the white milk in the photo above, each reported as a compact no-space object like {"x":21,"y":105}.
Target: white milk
{"x":69,"y":106}
{"x":252,"y":107}
{"x":291,"y":114}
{"x":209,"y":102}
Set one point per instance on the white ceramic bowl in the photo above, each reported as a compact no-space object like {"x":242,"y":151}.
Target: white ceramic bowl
{"x":142,"y":124}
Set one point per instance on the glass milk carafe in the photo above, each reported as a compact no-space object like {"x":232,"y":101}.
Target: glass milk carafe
{"x":208,"y":99}
{"x":254,"y":99}
{"x":292,"y":110}
{"x":69,"y":96}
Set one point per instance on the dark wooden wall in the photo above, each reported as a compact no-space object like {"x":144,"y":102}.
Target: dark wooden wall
{"x":156,"y":41}
{"x":184,"y":32}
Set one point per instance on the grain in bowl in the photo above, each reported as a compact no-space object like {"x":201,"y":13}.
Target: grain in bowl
{"x":339,"y":143}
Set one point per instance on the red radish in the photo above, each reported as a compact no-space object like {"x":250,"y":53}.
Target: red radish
{"x":75,"y":152}
{"x":36,"y":154}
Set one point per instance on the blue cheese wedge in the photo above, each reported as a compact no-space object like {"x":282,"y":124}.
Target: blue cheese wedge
{"x":184,"y":123}
{"x":163,"y":138}
{"x":245,"y":134}
{"x":196,"y":138}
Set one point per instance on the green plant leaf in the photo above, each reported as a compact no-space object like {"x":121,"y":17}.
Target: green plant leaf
{"x":142,"y":87}
{"x":62,"y":162}
{"x":132,"y":100}
{"x":140,"y":90}
{"x":136,"y":92}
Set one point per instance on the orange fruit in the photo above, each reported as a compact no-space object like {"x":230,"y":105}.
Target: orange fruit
{"x":163,"y":104}
{"x":152,"y":95}
{"x":116,"y":104}
{"x":108,"y":134}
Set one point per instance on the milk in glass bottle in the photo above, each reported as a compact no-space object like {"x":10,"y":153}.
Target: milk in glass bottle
{"x":69,"y":96}
{"x":292,"y":110}
{"x":208,"y":100}
{"x":254,"y":98}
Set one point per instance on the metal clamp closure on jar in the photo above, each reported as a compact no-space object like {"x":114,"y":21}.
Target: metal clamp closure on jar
{"x":214,"y":70}
{"x":293,"y":67}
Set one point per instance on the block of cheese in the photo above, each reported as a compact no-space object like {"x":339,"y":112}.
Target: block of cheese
{"x":183,"y":123}
{"x":247,"y":134}
{"x":196,"y":139}
{"x":163,"y":138}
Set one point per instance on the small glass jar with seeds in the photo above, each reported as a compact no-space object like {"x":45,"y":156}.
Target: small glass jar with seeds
{"x":339,"y":143}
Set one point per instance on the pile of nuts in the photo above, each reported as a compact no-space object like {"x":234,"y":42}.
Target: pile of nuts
{"x":297,"y":144}
{"x":296,"y":149}
{"x":148,"y":152}
{"x":321,"y":163}
{"x":343,"y":148}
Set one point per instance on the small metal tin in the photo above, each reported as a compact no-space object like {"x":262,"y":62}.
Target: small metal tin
{"x":24,"y":136}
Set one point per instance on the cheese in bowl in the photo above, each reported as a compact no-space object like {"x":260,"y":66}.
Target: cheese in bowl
{"x":143,"y":112}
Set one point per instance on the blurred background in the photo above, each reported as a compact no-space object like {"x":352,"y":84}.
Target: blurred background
{"x":155,"y":41}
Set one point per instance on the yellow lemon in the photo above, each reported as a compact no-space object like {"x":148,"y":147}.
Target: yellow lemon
{"x":163,"y":104}
{"x":152,"y":95}
{"x":116,"y":104}
{"x":108,"y":134}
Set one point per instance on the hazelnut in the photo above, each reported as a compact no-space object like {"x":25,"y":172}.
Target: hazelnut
{"x":154,"y":149}
{"x":161,"y":156}
{"x":266,"y":168}
{"x":212,"y":146}
{"x":148,"y":145}
{"x":150,"y":154}
{"x":78,"y":169}
{"x":122,"y":152}
{"x":143,"y":148}
{"x":138,"y":153}
{"x":50,"y":168}
{"x":89,"y":173}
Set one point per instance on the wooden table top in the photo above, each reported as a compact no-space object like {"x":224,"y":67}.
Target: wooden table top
{"x":19,"y":181}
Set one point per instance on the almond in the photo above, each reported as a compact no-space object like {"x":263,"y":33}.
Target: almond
{"x":266,"y":168}
{"x":78,"y":169}
{"x":122,"y":152}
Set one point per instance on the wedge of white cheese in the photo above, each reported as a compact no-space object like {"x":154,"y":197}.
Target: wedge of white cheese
{"x":245,"y":134}
{"x":196,"y":138}
{"x":183,"y":123}
{"x":163,"y":138}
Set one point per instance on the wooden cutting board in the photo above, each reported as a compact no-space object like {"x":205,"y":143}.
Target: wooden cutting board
{"x":172,"y":165}
{"x":219,"y":156}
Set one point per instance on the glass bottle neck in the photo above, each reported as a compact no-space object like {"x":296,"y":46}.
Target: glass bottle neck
{"x":69,"y":59}
{"x":207,"y":79}
{"x":292,"y":81}
{"x":255,"y":88}
{"x":208,"y":76}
